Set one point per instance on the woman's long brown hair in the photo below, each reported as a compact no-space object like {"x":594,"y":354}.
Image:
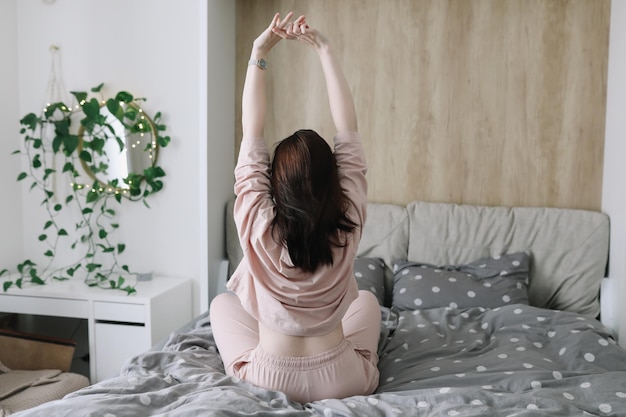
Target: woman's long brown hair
{"x":311,"y":207}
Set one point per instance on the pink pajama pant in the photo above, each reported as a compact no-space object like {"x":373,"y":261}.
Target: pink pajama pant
{"x":346,"y":370}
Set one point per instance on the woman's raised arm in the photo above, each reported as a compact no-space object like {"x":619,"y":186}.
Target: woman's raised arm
{"x":253,"y":98}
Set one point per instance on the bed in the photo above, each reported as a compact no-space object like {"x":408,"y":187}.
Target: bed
{"x":486,"y":311}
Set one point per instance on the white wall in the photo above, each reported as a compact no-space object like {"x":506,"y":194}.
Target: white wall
{"x":10,"y":201}
{"x":155,"y":50}
{"x":614,"y":188}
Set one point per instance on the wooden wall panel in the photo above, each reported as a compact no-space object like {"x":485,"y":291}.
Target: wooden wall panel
{"x":494,"y":102}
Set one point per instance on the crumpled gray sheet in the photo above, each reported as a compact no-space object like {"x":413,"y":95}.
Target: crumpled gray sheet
{"x":512,"y":361}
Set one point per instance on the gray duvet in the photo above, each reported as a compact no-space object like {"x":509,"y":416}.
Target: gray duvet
{"x":511,"y":361}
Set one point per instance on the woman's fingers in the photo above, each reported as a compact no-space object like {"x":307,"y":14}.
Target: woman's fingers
{"x":285,"y":21}
{"x":287,"y":29}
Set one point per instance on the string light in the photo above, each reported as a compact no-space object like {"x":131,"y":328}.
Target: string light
{"x":108,"y":189}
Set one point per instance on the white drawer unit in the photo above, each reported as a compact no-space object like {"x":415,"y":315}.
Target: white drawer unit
{"x":120,"y":312}
{"x":115,"y":343}
{"x":120,"y":326}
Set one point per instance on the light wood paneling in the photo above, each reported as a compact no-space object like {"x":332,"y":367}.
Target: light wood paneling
{"x":494,"y":102}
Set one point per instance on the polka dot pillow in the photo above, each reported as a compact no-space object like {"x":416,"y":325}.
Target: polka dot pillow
{"x":488,"y":282}
{"x":370,"y":276}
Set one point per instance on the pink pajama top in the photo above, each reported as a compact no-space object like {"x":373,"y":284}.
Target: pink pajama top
{"x":271,"y":289}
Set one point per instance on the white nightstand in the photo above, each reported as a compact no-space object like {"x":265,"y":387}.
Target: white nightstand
{"x":119,"y":325}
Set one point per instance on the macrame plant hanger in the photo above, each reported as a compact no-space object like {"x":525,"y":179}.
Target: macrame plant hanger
{"x":55,"y":92}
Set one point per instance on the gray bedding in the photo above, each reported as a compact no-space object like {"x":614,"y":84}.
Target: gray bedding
{"x":442,"y":351}
{"x":514,"y":360}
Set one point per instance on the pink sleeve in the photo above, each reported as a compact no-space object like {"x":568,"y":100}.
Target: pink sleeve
{"x":254,"y":208}
{"x":352,"y":169}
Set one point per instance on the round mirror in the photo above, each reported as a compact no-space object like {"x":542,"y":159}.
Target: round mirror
{"x":120,"y":141}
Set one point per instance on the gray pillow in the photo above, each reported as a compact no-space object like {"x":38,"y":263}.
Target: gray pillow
{"x":488,"y":282}
{"x":370,"y":276}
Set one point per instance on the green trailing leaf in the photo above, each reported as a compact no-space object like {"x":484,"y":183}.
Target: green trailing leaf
{"x":154,"y":172}
{"x":30,"y":120}
{"x":71,"y":271}
{"x":97,"y":145}
{"x":163,"y":141}
{"x":124,"y":96}
{"x":6,"y":285}
{"x":120,"y":249}
{"x":62,"y":232}
{"x":70,"y":144}
{"x":68,"y":167}
{"x":47,"y":173}
{"x":80,"y":96}
{"x":48,"y":224}
{"x":60,"y":278}
{"x":85,"y":156}
{"x":102,"y":234}
{"x":56,"y":143}
{"x":129,"y":290}
{"x":58,"y":207}
{"x":91,"y":108}
{"x":37,"y":143}
{"x":36,"y":162}
{"x":15,"y":152}
{"x":37,"y":280}
{"x":116,"y":110}
{"x":87,"y":210}
{"x":42,"y":237}
{"x":22,"y":176}
{"x":69,"y":199}
{"x":97,"y":88}
{"x":92,"y":266}
{"x":4,"y":271}
{"x":92,"y":196}
{"x":33,"y":185}
{"x":62,"y":127}
{"x":49,"y":253}
{"x":18,"y":282}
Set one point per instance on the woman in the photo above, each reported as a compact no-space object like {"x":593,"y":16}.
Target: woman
{"x":295,"y":320}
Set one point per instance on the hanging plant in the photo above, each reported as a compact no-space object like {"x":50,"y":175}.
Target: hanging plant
{"x":117,"y":145}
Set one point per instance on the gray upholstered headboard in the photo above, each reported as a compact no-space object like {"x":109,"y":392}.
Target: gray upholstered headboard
{"x":569,"y":248}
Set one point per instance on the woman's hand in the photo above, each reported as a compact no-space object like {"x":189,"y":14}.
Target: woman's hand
{"x":269,"y":37}
{"x":301,"y":31}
